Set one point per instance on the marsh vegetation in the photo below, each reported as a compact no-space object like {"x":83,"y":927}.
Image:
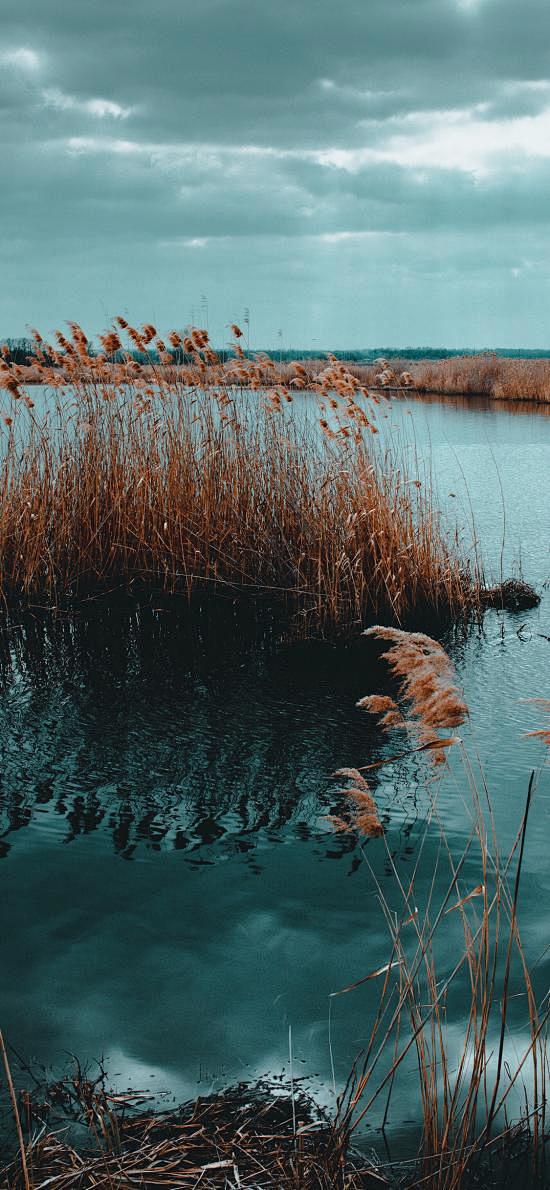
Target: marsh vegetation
{"x":137,"y":477}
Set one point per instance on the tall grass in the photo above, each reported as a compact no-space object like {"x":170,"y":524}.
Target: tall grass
{"x":471,"y":1078}
{"x":205,"y":477}
{"x":482,"y":374}
{"x":486,"y":375}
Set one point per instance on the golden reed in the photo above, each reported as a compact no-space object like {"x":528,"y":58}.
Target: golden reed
{"x":143,"y":474}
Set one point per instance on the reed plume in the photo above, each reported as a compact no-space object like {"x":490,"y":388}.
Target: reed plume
{"x":426,"y":679}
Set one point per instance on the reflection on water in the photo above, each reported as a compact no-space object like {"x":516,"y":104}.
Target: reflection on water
{"x":160,"y":730}
{"x":492,"y":406}
{"x":172,"y":894}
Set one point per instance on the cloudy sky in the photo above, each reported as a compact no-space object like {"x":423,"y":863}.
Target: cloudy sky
{"x":357,"y":173}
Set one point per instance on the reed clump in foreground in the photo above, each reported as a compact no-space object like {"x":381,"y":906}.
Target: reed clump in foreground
{"x":480,"y":1088}
{"x":144,"y":476}
{"x":255,"y":1136}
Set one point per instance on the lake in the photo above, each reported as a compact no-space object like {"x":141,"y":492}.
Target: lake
{"x":173,"y":896}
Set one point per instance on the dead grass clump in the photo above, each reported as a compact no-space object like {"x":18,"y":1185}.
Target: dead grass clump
{"x":377,"y":704}
{"x":256,"y":1136}
{"x":487,"y":375}
{"x":147,"y":475}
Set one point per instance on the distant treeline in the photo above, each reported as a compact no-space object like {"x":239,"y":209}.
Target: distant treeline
{"x":23,"y":351}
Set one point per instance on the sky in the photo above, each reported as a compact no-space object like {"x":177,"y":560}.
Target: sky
{"x":356,"y":173}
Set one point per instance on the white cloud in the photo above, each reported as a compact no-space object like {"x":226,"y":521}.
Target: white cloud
{"x":105,"y":107}
{"x":339,"y":237}
{"x":465,"y":142}
{"x":99,"y":108}
{"x":451,"y":140}
{"x":462,"y":140}
{"x":21,"y":56}
{"x":359,"y":94}
{"x":86,"y":145}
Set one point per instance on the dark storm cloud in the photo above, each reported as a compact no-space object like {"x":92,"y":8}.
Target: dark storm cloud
{"x":230,"y":70}
{"x":132,"y":131}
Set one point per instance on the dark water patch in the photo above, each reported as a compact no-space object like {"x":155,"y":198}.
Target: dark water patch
{"x":164,"y":729}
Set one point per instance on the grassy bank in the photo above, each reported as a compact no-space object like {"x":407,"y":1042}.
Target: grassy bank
{"x":485,"y":373}
{"x":154,"y":477}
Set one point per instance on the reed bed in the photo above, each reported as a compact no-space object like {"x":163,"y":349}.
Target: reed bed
{"x":485,"y":375}
{"x":476,"y":374}
{"x":482,"y":375}
{"x":150,"y":476}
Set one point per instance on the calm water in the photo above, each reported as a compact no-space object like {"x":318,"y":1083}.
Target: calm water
{"x":173,"y":897}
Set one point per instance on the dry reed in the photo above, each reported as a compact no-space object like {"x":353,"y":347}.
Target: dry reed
{"x":467,"y":1119}
{"x":254,"y":1136}
{"x":361,"y":808}
{"x":427,"y":687}
{"x":487,"y":375}
{"x":148,"y":475}
{"x":465,"y":1098}
{"x":426,"y":684}
{"x":484,"y":375}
